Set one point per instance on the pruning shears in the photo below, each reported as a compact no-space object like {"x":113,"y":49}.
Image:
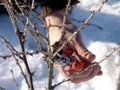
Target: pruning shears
{"x":69,"y":57}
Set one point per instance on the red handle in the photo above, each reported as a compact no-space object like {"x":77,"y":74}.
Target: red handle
{"x":76,"y":64}
{"x":79,"y":65}
{"x":68,"y":51}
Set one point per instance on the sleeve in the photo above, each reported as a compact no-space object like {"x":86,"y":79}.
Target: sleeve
{"x":56,"y":4}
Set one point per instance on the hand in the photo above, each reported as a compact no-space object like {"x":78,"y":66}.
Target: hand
{"x":84,"y":76}
{"x":54,"y":22}
{"x":77,"y":45}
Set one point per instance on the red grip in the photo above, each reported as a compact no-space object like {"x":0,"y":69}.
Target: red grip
{"x":77,"y":65}
{"x":68,"y":51}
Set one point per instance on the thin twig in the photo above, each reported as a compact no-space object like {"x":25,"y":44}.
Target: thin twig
{"x":38,"y":17}
{"x":12,"y":50}
{"x":35,"y":35}
{"x":118,"y":82}
{"x":9,"y":46}
{"x":89,"y":67}
{"x":19,"y":53}
{"x":66,"y":14}
{"x":81,"y":28}
{"x":50,"y":65}
{"x":16,"y":84}
{"x":32,"y":4}
{"x":21,"y":38}
{"x":90,"y":24}
{"x":109,"y":54}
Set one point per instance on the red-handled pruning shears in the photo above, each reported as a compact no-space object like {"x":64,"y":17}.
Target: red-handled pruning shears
{"x":69,"y":57}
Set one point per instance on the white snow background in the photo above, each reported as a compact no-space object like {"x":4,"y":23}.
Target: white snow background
{"x":100,"y":42}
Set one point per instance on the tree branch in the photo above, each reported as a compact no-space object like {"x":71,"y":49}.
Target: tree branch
{"x":89,"y":67}
{"x":81,"y":27}
{"x":16,"y":84}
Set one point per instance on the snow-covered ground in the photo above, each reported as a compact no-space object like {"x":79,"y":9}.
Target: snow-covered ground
{"x":98,"y":41}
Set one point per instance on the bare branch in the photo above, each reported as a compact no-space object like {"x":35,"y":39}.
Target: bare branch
{"x":50,"y":65}
{"x":109,"y":54}
{"x":89,"y":67}
{"x":89,"y":24}
{"x":13,"y":53}
{"x":21,"y":38}
{"x":19,"y":54}
{"x":118,"y":82}
{"x":9,"y":46}
{"x":14,"y":79}
{"x":81,"y":28}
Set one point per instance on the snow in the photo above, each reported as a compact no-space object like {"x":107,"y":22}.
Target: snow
{"x":96,"y":40}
